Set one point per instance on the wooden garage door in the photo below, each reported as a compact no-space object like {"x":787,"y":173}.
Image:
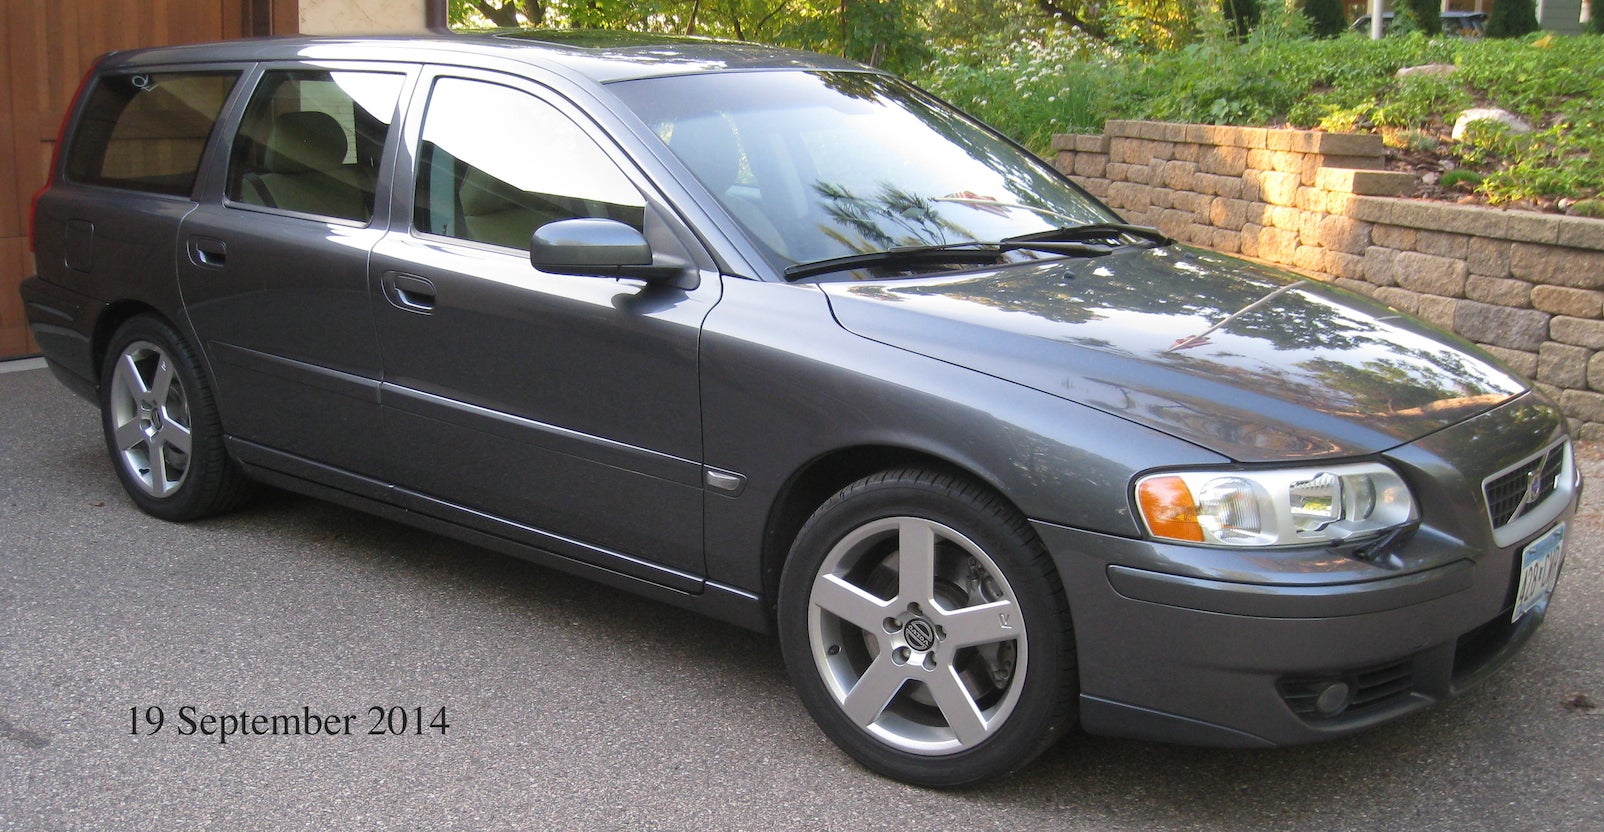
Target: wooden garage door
{"x":45,"y":46}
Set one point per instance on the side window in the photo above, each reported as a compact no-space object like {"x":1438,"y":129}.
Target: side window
{"x":497,"y":163}
{"x":310,"y":142}
{"x":146,"y":132}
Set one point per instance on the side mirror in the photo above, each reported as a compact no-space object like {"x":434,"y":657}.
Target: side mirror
{"x":588,"y":246}
{"x":597,"y":247}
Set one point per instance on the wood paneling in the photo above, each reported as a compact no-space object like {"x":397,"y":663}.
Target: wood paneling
{"x":45,"y":47}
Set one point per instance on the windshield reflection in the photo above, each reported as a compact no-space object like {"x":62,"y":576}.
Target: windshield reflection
{"x":815,"y":165}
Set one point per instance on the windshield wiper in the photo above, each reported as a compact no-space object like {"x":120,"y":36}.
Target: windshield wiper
{"x":1108,"y":231}
{"x":966,"y":253}
{"x":973,"y":252}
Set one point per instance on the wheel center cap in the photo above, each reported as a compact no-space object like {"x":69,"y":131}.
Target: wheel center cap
{"x":920,"y":634}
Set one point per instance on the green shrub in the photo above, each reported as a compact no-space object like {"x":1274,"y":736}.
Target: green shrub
{"x":1464,"y":180}
{"x":1485,"y":143}
{"x":1325,"y":17}
{"x":1422,"y":99}
{"x":1418,"y":141}
{"x":1419,"y":16}
{"x":1512,"y":18}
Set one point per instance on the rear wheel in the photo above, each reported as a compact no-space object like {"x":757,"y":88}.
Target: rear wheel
{"x":161,"y":425}
{"x":926,"y":630}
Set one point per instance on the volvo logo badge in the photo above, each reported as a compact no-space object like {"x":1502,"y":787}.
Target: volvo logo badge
{"x":1534,"y":492}
{"x":1534,"y":489}
{"x":920,"y":634}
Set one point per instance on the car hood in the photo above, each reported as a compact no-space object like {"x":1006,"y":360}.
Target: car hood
{"x":1254,"y":363}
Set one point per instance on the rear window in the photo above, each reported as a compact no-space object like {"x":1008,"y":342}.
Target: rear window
{"x":146,"y":132}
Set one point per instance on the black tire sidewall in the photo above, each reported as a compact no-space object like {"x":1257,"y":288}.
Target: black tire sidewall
{"x":1040,"y":716}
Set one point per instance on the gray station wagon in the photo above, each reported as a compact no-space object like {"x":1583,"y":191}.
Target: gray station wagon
{"x":781,"y":339}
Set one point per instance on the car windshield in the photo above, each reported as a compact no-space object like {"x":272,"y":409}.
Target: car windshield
{"x":821,"y":165}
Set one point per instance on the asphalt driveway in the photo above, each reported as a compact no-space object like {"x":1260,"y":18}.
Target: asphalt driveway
{"x":568,"y":705}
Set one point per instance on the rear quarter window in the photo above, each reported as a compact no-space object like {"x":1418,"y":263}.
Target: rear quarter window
{"x":147,"y":131}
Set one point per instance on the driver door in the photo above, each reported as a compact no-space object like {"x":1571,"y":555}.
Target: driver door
{"x":558,"y":410}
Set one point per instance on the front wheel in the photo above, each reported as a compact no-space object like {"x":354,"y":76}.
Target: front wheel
{"x":161,"y":425}
{"x":926,"y":630}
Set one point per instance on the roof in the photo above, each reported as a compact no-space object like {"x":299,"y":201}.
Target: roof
{"x":600,"y":56}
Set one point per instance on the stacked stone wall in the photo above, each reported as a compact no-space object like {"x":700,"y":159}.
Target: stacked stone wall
{"x":1528,"y":287}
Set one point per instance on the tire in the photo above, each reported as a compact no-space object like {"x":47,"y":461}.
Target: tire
{"x":161,"y":425}
{"x":957,"y":670}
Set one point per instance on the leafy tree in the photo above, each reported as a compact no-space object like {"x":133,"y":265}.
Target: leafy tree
{"x":506,"y":14}
{"x":886,"y":33}
{"x":1325,"y":17}
{"x":965,"y":23}
{"x":1512,"y":18}
{"x":1085,"y":15}
{"x":1155,"y":24}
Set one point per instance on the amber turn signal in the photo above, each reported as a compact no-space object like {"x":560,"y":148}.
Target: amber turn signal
{"x":1168,"y":508}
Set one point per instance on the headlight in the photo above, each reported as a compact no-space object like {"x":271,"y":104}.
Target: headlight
{"x":1282,"y":507}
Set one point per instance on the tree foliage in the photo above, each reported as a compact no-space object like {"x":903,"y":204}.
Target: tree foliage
{"x":897,"y":34}
{"x":1512,"y":18}
{"x":886,"y":33}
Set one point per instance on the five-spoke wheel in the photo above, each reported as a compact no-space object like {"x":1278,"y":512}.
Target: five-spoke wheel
{"x":149,"y":414}
{"x":925,"y":630}
{"x":916,"y":633}
{"x":161,"y":425}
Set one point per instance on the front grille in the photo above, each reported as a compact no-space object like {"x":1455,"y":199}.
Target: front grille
{"x":1513,"y":493}
{"x":1373,"y":687}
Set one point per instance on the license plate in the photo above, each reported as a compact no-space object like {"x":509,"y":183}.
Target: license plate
{"x":1539,"y":570}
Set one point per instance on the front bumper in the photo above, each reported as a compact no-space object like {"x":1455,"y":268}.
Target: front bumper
{"x":1203,"y":646}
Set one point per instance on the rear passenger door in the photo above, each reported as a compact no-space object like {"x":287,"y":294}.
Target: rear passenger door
{"x":559,"y":410}
{"x":273,"y":263}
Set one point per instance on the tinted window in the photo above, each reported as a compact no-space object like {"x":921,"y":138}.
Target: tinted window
{"x":497,"y":163}
{"x":146,"y":132}
{"x":310,"y":142}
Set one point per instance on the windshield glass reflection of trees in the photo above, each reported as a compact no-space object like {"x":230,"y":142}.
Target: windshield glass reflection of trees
{"x":817,"y":165}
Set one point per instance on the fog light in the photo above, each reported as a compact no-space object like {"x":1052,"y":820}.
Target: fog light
{"x":1334,"y":699}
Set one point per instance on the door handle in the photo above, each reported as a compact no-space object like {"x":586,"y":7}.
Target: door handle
{"x":208,"y":252}
{"x":409,"y":292}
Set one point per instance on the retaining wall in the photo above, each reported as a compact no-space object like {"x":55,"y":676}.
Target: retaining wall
{"x":1528,"y":287}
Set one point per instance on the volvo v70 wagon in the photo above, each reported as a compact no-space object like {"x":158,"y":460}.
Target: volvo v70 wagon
{"x":781,"y":339}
